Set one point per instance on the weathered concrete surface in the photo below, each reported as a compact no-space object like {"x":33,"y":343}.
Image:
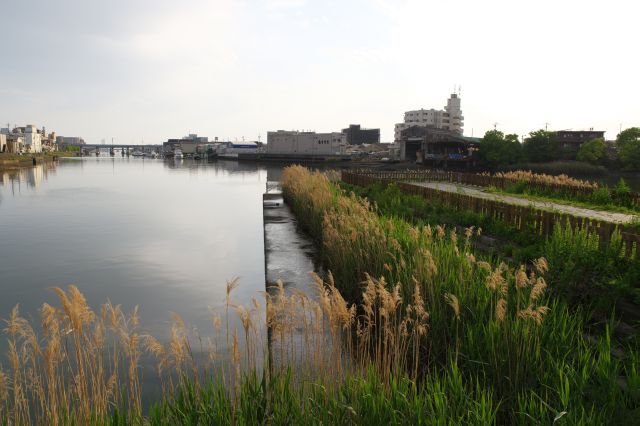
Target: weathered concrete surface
{"x":289,"y":254}
{"x":542,"y":205}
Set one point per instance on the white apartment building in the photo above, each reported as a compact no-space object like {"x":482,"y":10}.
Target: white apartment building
{"x":306,"y":143}
{"x":32,"y":139}
{"x":450,"y":118}
{"x":3,"y":142}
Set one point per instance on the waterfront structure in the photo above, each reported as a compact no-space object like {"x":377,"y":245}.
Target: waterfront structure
{"x":305,"y":143}
{"x":188,"y":144}
{"x":437,"y":147}
{"x":356,"y":135}
{"x":3,"y":142}
{"x":15,"y":143}
{"x":450,"y":118}
{"x":69,"y":140}
{"x":30,"y":139}
{"x":230,"y":148}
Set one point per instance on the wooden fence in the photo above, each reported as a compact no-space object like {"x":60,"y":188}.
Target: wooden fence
{"x":535,"y":220}
{"x":481,"y":180}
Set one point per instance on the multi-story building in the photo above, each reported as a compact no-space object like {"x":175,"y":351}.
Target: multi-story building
{"x":32,"y":139}
{"x":306,"y":143}
{"x":15,"y":143}
{"x":450,"y":118}
{"x":69,"y":140}
{"x":3,"y":142}
{"x":29,"y":139}
{"x":188,"y":144}
{"x":570,"y":141}
{"x":356,"y":135}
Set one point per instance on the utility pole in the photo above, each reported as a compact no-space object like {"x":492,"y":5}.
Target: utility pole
{"x":546,"y":127}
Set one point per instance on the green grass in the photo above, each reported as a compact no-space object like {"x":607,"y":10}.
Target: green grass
{"x":569,"y":202}
{"x":584,"y":271}
{"x":603,"y":198}
{"x":360,"y":399}
{"x":390,"y":201}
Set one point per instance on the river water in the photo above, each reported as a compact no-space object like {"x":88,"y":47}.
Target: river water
{"x":164,"y":235}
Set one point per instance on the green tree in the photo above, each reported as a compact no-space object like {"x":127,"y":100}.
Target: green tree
{"x":496,"y":149}
{"x":628,"y":142}
{"x":591,"y":151}
{"x":540,"y":146}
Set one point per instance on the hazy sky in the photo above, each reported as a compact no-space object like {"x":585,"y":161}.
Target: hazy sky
{"x":155,"y":69}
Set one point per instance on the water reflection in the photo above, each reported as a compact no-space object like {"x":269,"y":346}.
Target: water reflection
{"x":162,"y":235}
{"x":31,"y":177}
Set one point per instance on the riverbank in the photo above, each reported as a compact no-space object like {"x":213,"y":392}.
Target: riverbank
{"x":15,"y":161}
{"x":479,"y":309}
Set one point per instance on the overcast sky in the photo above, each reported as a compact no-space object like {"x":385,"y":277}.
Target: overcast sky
{"x":150,"y":70}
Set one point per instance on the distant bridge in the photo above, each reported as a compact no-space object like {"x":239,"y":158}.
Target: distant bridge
{"x":143,"y":148}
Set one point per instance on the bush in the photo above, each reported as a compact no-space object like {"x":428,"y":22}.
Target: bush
{"x":622,"y":193}
{"x":601,"y":196}
{"x":582,"y":270}
{"x":519,"y":187}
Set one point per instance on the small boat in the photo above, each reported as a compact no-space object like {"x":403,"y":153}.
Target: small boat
{"x":177,"y":153}
{"x":138,"y":154}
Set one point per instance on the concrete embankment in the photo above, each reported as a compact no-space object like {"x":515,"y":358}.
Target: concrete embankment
{"x":290,"y":257}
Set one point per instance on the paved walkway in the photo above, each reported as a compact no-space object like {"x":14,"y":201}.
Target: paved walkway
{"x":543,"y":205}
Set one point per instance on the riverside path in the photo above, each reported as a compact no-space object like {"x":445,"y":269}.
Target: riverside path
{"x":542,"y":205}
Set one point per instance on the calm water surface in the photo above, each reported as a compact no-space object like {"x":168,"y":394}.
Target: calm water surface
{"x":162,"y":235}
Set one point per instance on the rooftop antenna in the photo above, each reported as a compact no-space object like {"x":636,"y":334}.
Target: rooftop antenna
{"x":459,"y":90}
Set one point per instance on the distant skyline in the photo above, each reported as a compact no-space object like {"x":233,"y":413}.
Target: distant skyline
{"x":157,"y":69}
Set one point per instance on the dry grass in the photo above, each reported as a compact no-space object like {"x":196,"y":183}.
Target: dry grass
{"x":548,"y":180}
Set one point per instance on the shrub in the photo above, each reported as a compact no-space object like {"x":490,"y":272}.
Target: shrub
{"x":622,"y":193}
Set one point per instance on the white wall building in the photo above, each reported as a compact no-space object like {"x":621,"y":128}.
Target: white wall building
{"x":3,"y":142}
{"x":32,"y":139}
{"x":306,"y":143}
{"x":450,"y":118}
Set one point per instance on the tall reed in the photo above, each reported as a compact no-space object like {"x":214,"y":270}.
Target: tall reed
{"x":492,"y":321}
